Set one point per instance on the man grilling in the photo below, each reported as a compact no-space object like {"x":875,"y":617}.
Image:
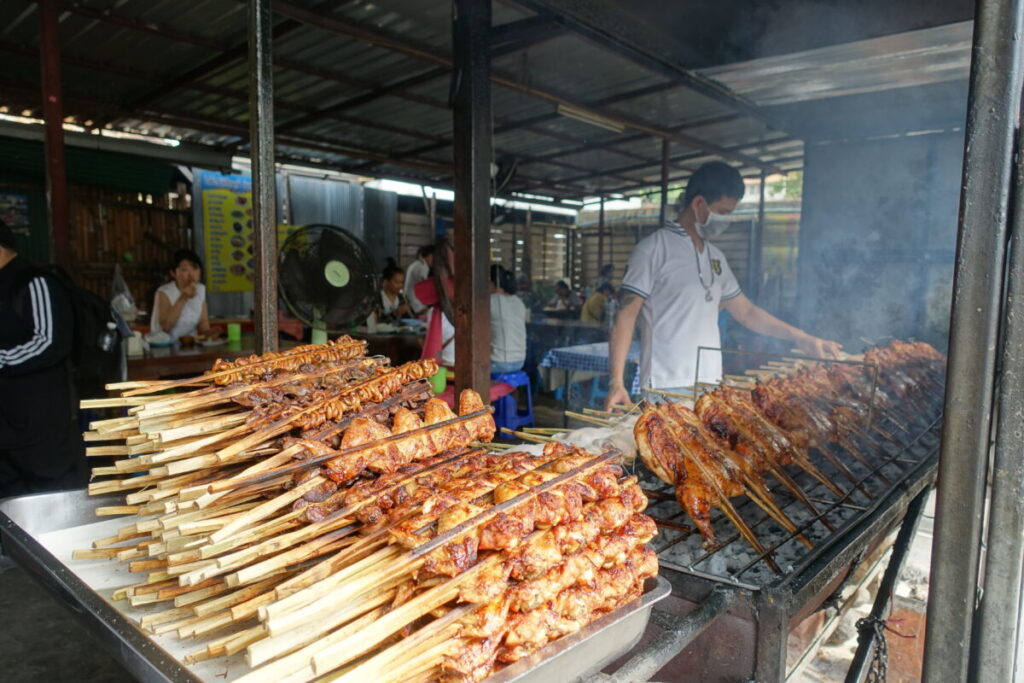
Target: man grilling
{"x":677,"y":282}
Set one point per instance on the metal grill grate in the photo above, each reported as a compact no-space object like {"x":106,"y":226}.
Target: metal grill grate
{"x":734,"y":562}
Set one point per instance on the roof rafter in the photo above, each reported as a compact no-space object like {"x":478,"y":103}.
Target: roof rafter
{"x":427,"y":53}
{"x":605,"y":25}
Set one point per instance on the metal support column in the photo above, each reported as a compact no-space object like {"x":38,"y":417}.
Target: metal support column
{"x":600,"y":235}
{"x":866,"y":641}
{"x":994,"y":650}
{"x":757,"y":245}
{"x":261,"y":134}
{"x":53,"y":147}
{"x":992,"y":111}
{"x":665,"y":157}
{"x":472,"y":147}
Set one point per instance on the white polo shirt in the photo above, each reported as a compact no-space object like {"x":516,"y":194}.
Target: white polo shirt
{"x":676,"y":318}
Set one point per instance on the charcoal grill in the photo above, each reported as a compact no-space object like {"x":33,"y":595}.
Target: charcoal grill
{"x":730,"y":617}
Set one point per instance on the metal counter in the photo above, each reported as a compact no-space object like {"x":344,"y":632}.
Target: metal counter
{"x":40,"y":532}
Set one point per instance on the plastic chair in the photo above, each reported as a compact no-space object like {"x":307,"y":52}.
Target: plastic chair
{"x":506,"y":410}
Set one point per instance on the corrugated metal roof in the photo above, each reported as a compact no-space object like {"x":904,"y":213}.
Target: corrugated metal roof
{"x":123,"y":62}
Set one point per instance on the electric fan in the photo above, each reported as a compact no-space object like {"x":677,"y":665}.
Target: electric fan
{"x":327,"y":279}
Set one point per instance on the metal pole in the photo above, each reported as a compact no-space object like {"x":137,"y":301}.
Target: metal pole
{"x":900,"y":550}
{"x":665,"y":155}
{"x":53,"y":145}
{"x":472,"y":181}
{"x":527,"y":246}
{"x":757,"y":244}
{"x":600,"y":236}
{"x":977,"y":292}
{"x":994,"y":650}
{"x":264,"y":211}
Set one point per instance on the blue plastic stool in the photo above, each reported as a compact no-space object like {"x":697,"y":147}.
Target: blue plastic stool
{"x":506,"y":410}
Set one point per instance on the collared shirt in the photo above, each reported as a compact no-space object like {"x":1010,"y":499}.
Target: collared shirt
{"x":417,"y":272}
{"x":676,"y":319}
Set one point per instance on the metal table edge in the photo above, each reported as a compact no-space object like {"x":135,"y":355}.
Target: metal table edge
{"x":125,"y":641}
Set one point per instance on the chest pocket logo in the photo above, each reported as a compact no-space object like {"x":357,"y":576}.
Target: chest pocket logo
{"x":716,"y":266}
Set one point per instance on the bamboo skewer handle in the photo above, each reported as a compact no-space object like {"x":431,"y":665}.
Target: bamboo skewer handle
{"x":268,"y":508}
{"x":525,"y":436}
{"x":298,"y":664}
{"x":336,"y":653}
{"x":396,"y":662}
{"x":672,"y":394}
{"x":590,"y":419}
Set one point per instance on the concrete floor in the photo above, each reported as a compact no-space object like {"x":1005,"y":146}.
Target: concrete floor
{"x":41,"y":641}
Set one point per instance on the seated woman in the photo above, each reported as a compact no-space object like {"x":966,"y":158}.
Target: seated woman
{"x":392,"y":302}
{"x":508,"y":323}
{"x":179,"y":308}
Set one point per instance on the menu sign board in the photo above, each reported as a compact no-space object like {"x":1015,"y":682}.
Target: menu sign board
{"x":227,"y":230}
{"x":227,"y":223}
{"x":226,"y":210}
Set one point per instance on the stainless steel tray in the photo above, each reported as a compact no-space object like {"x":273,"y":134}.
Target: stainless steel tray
{"x":26,"y":519}
{"x":578,"y":656}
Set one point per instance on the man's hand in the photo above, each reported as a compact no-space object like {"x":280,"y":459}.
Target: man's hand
{"x":616,"y":394}
{"x":819,"y":348}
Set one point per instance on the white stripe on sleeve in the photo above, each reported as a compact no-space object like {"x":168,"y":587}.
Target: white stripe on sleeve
{"x":42,"y":333}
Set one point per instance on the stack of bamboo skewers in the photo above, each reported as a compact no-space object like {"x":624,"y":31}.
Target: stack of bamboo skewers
{"x":225,"y":541}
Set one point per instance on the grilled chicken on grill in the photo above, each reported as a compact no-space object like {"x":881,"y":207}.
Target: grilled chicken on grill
{"x":736,"y":437}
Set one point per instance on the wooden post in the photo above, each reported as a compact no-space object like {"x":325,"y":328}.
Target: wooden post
{"x":261,"y":133}
{"x":53,"y":146}
{"x":472,"y":175}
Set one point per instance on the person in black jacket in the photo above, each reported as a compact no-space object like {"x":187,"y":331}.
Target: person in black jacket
{"x":41,"y":448}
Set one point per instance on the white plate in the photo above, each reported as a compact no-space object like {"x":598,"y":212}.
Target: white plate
{"x":210,"y":343}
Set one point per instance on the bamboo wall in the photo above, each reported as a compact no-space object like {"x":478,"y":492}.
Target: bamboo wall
{"x":141,"y":232}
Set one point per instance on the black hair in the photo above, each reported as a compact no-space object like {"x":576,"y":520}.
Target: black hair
{"x":425,"y":251}
{"x":186,"y":255}
{"x":391,"y":270}
{"x":606,"y":288}
{"x":608,"y":267}
{"x":503,"y":278}
{"x":713,"y":180}
{"x":7,"y":238}
{"x":561,"y":284}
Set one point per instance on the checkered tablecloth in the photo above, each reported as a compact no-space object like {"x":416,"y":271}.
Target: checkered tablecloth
{"x":589,"y":358}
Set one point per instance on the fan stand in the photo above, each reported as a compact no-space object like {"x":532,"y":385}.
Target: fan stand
{"x":319,"y":331}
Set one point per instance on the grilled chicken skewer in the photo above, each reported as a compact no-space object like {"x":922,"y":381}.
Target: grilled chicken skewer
{"x":680,"y":456}
{"x":801,"y":425}
{"x":746,"y":433}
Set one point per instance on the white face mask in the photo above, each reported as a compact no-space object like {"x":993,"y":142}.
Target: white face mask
{"x":714,"y":226}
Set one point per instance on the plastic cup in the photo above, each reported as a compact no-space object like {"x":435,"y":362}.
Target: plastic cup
{"x":439,"y":380}
{"x":234,"y":332}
